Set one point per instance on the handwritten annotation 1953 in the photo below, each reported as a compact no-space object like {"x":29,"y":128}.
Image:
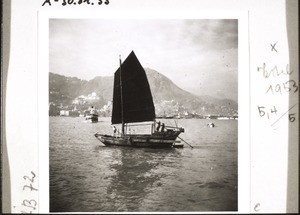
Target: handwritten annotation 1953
{"x":288,"y":86}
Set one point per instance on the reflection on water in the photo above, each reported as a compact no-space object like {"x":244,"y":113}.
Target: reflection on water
{"x":135,"y":177}
{"x":87,"y":176}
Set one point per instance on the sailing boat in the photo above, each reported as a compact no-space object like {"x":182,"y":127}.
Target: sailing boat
{"x":133,"y":103}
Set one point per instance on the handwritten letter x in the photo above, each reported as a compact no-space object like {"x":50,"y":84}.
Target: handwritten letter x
{"x":273,"y":47}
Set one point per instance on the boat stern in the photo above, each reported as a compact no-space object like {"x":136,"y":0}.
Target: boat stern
{"x":181,"y":130}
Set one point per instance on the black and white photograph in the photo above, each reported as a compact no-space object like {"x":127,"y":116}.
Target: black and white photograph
{"x":150,"y":107}
{"x":143,"y":115}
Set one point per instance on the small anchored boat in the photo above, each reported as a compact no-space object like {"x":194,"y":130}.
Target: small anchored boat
{"x":211,"y":125}
{"x":92,"y":116}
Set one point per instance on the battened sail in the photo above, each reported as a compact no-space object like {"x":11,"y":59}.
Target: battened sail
{"x":135,"y":104}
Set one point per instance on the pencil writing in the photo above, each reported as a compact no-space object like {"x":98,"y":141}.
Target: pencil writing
{"x":76,"y":2}
{"x":28,"y":205}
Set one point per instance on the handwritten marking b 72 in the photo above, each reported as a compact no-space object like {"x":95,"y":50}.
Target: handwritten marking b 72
{"x":29,"y":205}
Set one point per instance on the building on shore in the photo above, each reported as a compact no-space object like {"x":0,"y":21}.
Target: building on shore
{"x":64,"y":113}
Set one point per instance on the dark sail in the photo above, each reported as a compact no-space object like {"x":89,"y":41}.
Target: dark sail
{"x":136,"y":95}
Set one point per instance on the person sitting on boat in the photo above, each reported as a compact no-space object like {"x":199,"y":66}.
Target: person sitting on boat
{"x":158,"y":126}
{"x":115,"y":130}
{"x":162,"y":127}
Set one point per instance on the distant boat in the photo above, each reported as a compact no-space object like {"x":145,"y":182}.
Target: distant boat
{"x":211,"y":125}
{"x":133,"y":103}
{"x":92,"y":117}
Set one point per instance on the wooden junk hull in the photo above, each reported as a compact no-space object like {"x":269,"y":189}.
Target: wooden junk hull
{"x":155,"y":140}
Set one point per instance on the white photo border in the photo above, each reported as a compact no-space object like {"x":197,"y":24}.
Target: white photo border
{"x":244,"y":179}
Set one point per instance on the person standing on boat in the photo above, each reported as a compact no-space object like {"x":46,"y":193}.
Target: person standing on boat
{"x":115,"y":130}
{"x":92,"y":111}
{"x":158,"y":126}
{"x":162,"y":127}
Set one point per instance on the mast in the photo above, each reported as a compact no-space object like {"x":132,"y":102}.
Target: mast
{"x":122,"y":112}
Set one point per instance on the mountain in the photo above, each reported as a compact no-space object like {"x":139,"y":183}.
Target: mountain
{"x":163,"y":88}
{"x":168,"y":98}
{"x":64,"y":89}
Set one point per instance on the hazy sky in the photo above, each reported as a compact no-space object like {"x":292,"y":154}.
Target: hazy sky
{"x":200,"y":56}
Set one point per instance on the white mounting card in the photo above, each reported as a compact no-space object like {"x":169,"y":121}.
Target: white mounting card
{"x":185,"y":41}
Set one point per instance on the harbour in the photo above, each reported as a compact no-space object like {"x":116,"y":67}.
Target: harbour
{"x":87,"y":176}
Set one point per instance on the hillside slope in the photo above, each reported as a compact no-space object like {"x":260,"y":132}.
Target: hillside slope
{"x":167,"y":96}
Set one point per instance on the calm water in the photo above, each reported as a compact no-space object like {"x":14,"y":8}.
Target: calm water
{"x":87,"y":176}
